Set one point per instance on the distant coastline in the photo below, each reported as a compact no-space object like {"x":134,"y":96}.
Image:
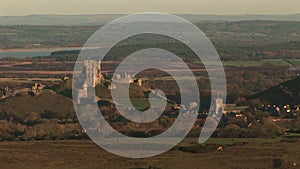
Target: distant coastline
{"x":39,"y":49}
{"x":101,"y":19}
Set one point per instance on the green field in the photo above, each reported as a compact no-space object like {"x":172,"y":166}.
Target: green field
{"x":262,"y":62}
{"x":294,"y":61}
{"x":259,"y":63}
{"x":143,"y":103}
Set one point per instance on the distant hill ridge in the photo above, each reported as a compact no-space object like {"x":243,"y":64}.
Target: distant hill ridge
{"x":101,"y":19}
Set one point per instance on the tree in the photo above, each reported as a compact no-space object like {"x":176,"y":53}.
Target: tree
{"x":30,"y":134}
{"x":32,"y":119}
{"x":10,"y":131}
{"x":255,"y":103}
{"x":297,"y":123}
{"x":239,"y":121}
{"x":231,"y":131}
{"x":272,"y":128}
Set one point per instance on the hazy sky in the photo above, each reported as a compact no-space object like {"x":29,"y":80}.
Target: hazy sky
{"x":222,"y":7}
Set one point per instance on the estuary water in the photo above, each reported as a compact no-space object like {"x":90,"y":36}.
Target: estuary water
{"x":25,"y":53}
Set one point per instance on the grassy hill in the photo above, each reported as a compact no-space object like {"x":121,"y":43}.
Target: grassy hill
{"x":46,"y":104}
{"x":285,"y":93}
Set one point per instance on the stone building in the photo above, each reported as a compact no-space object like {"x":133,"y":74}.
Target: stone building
{"x":92,"y":77}
{"x":219,"y":107}
{"x":92,"y":72}
{"x":37,"y":88}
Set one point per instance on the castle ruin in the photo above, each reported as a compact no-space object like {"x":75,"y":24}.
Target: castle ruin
{"x":92,"y":77}
{"x":92,"y":73}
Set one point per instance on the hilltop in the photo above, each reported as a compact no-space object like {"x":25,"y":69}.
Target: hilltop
{"x":47,"y":104}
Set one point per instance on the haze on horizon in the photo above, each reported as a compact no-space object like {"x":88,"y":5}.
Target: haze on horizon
{"x":219,"y":7}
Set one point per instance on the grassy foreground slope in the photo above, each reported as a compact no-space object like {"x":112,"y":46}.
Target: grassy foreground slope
{"x":86,"y":155}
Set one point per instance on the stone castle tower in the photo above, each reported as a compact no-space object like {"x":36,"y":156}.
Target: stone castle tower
{"x":219,"y":106}
{"x":92,"y":77}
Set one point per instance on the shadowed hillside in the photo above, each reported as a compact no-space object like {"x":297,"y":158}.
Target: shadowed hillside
{"x":285,"y":93}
